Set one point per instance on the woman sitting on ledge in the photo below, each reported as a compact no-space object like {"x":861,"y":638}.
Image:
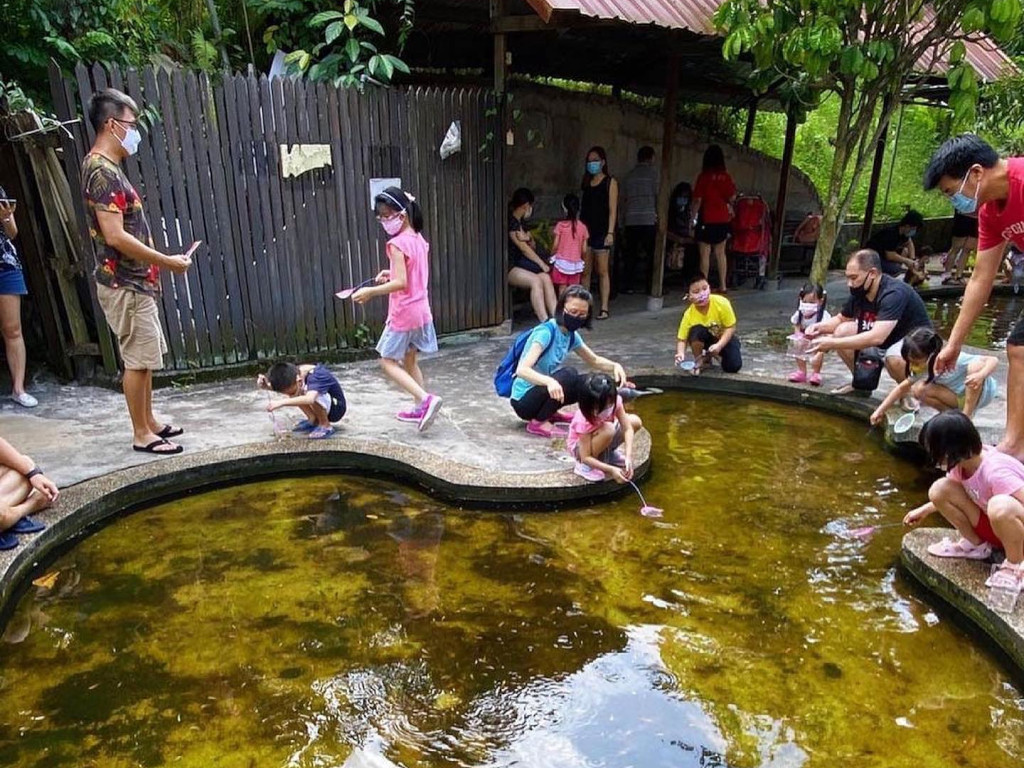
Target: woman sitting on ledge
{"x":542,"y":385}
{"x":24,"y":489}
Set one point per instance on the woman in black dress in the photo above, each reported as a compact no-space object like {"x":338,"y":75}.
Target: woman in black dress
{"x":599,"y":209}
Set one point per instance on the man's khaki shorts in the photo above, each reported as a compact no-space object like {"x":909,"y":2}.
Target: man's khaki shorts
{"x":135,"y":318}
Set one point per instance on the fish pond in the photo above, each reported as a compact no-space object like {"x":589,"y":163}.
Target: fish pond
{"x":991,"y":328}
{"x":344,"y":621}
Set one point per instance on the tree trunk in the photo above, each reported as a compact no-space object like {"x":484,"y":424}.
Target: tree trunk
{"x":831,"y":215}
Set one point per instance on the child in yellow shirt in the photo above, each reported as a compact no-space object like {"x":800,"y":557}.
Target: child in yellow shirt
{"x":709,"y":328}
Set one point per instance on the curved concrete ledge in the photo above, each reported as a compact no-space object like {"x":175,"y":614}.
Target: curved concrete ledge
{"x":961,"y":584}
{"x":85,"y":506}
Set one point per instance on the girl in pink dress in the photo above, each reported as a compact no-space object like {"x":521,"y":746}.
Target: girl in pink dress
{"x":571,"y":236}
{"x":410,"y":326}
{"x":601,"y":432}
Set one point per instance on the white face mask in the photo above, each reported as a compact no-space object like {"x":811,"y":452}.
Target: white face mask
{"x":807,"y":308}
{"x":131,"y":140}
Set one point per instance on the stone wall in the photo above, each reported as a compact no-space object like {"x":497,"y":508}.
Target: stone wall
{"x":556,"y":128}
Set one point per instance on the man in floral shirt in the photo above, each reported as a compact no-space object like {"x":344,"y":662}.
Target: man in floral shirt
{"x":127,"y":265}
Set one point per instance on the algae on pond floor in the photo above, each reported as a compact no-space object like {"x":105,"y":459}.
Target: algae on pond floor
{"x":314,"y":621}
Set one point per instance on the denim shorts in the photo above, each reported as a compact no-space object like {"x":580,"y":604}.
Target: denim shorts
{"x":394,"y":344}
{"x":12,"y":283}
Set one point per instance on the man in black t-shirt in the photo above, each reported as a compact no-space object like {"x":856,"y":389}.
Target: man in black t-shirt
{"x":881,"y":310}
{"x":895,"y":245}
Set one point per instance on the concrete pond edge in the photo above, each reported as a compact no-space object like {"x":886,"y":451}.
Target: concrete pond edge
{"x":87,"y":506}
{"x":960,"y":585}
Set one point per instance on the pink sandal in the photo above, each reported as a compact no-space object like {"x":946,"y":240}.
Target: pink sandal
{"x":797,"y":377}
{"x":814,"y":379}
{"x":961,"y":549}
{"x":544,"y":429}
{"x":1006,"y":576}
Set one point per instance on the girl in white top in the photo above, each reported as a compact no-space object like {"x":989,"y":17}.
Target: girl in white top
{"x":809,"y":311}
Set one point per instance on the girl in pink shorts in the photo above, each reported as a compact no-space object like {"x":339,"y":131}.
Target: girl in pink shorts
{"x":570,"y":239}
{"x":599,"y":428}
{"x":982,"y":496}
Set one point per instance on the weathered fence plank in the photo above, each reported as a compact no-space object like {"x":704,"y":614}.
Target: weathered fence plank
{"x":275,"y":250}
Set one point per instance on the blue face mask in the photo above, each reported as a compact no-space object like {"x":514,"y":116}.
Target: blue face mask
{"x":593,"y":167}
{"x":961,"y":202}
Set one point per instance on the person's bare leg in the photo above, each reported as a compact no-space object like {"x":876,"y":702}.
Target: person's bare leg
{"x":601,"y":439}
{"x":816,"y":362}
{"x":550,"y":298}
{"x":1013,"y":441}
{"x":1007,"y":517}
{"x":705,"y":257}
{"x":14,"y":342}
{"x":412,"y":366}
{"x":137,"y":388}
{"x":896,"y":367}
{"x":588,"y":265}
{"x":720,"y":261}
{"x":951,"y":500}
{"x":17,"y":498}
{"x":603,"y":280}
{"x":154,"y":425}
{"x":524,"y":278}
{"x":394,"y":371}
{"x":936,"y":396}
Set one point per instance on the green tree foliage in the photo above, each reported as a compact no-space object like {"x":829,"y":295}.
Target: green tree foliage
{"x":343,"y":43}
{"x":906,"y":155}
{"x":865,"y":53}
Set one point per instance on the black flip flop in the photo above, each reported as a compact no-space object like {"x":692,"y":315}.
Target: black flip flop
{"x":602,"y":315}
{"x":170,"y":430}
{"x":152,"y":446}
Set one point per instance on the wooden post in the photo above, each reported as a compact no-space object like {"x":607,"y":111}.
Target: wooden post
{"x":780,"y":197}
{"x":500,"y":49}
{"x":748,"y":132}
{"x":876,"y":173}
{"x":668,"y":143}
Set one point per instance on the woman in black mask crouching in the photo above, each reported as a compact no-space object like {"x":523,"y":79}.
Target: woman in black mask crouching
{"x":542,"y":386}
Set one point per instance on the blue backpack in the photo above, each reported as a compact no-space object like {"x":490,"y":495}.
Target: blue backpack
{"x":506,"y":373}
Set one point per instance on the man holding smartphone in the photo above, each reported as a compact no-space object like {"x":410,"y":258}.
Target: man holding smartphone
{"x":127,"y":265}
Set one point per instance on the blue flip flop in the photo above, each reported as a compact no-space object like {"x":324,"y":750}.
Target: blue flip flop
{"x":8,"y":541}
{"x":321,"y":433}
{"x":304,"y":426}
{"x":27,"y":525}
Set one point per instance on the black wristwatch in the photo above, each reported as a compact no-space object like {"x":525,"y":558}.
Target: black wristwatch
{"x":33,"y":472}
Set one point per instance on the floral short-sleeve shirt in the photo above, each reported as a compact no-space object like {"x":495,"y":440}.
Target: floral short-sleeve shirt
{"x":105,"y":187}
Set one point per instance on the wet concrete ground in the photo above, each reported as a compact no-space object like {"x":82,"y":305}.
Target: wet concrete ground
{"x":79,"y":432}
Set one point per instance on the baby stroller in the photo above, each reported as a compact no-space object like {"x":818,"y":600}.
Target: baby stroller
{"x":751,"y":241}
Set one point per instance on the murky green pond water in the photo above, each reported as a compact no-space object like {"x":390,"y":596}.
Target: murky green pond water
{"x":992,"y":326}
{"x":344,"y":621}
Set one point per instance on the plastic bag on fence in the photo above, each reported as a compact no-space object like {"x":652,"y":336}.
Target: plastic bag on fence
{"x":452,"y":140}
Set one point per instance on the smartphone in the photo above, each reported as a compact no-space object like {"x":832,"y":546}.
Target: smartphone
{"x":192,"y":248}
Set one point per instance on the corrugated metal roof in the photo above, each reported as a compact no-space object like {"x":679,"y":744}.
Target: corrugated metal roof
{"x":984,"y":55}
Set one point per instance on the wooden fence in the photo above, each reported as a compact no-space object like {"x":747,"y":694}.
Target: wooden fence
{"x":276,"y":249}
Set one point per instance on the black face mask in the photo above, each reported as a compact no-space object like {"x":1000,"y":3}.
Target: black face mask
{"x":571,"y":322}
{"x":861,"y":291}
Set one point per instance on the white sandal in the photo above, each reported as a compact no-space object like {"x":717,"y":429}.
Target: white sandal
{"x":961,"y":549}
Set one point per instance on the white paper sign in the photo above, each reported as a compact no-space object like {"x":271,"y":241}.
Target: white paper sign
{"x":379,"y":185}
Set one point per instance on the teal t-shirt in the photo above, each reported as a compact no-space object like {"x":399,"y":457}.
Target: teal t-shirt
{"x":555,"y":355}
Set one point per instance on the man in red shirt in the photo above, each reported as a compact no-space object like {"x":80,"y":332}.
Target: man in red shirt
{"x":976,"y":180}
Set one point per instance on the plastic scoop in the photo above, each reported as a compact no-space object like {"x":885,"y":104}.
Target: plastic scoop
{"x":646,"y":510}
{"x":688,"y":365}
{"x":904,"y":423}
{"x":347,"y":293}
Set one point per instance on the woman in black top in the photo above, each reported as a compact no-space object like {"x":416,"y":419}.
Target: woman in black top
{"x":598,"y":210}
{"x":528,"y":267}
